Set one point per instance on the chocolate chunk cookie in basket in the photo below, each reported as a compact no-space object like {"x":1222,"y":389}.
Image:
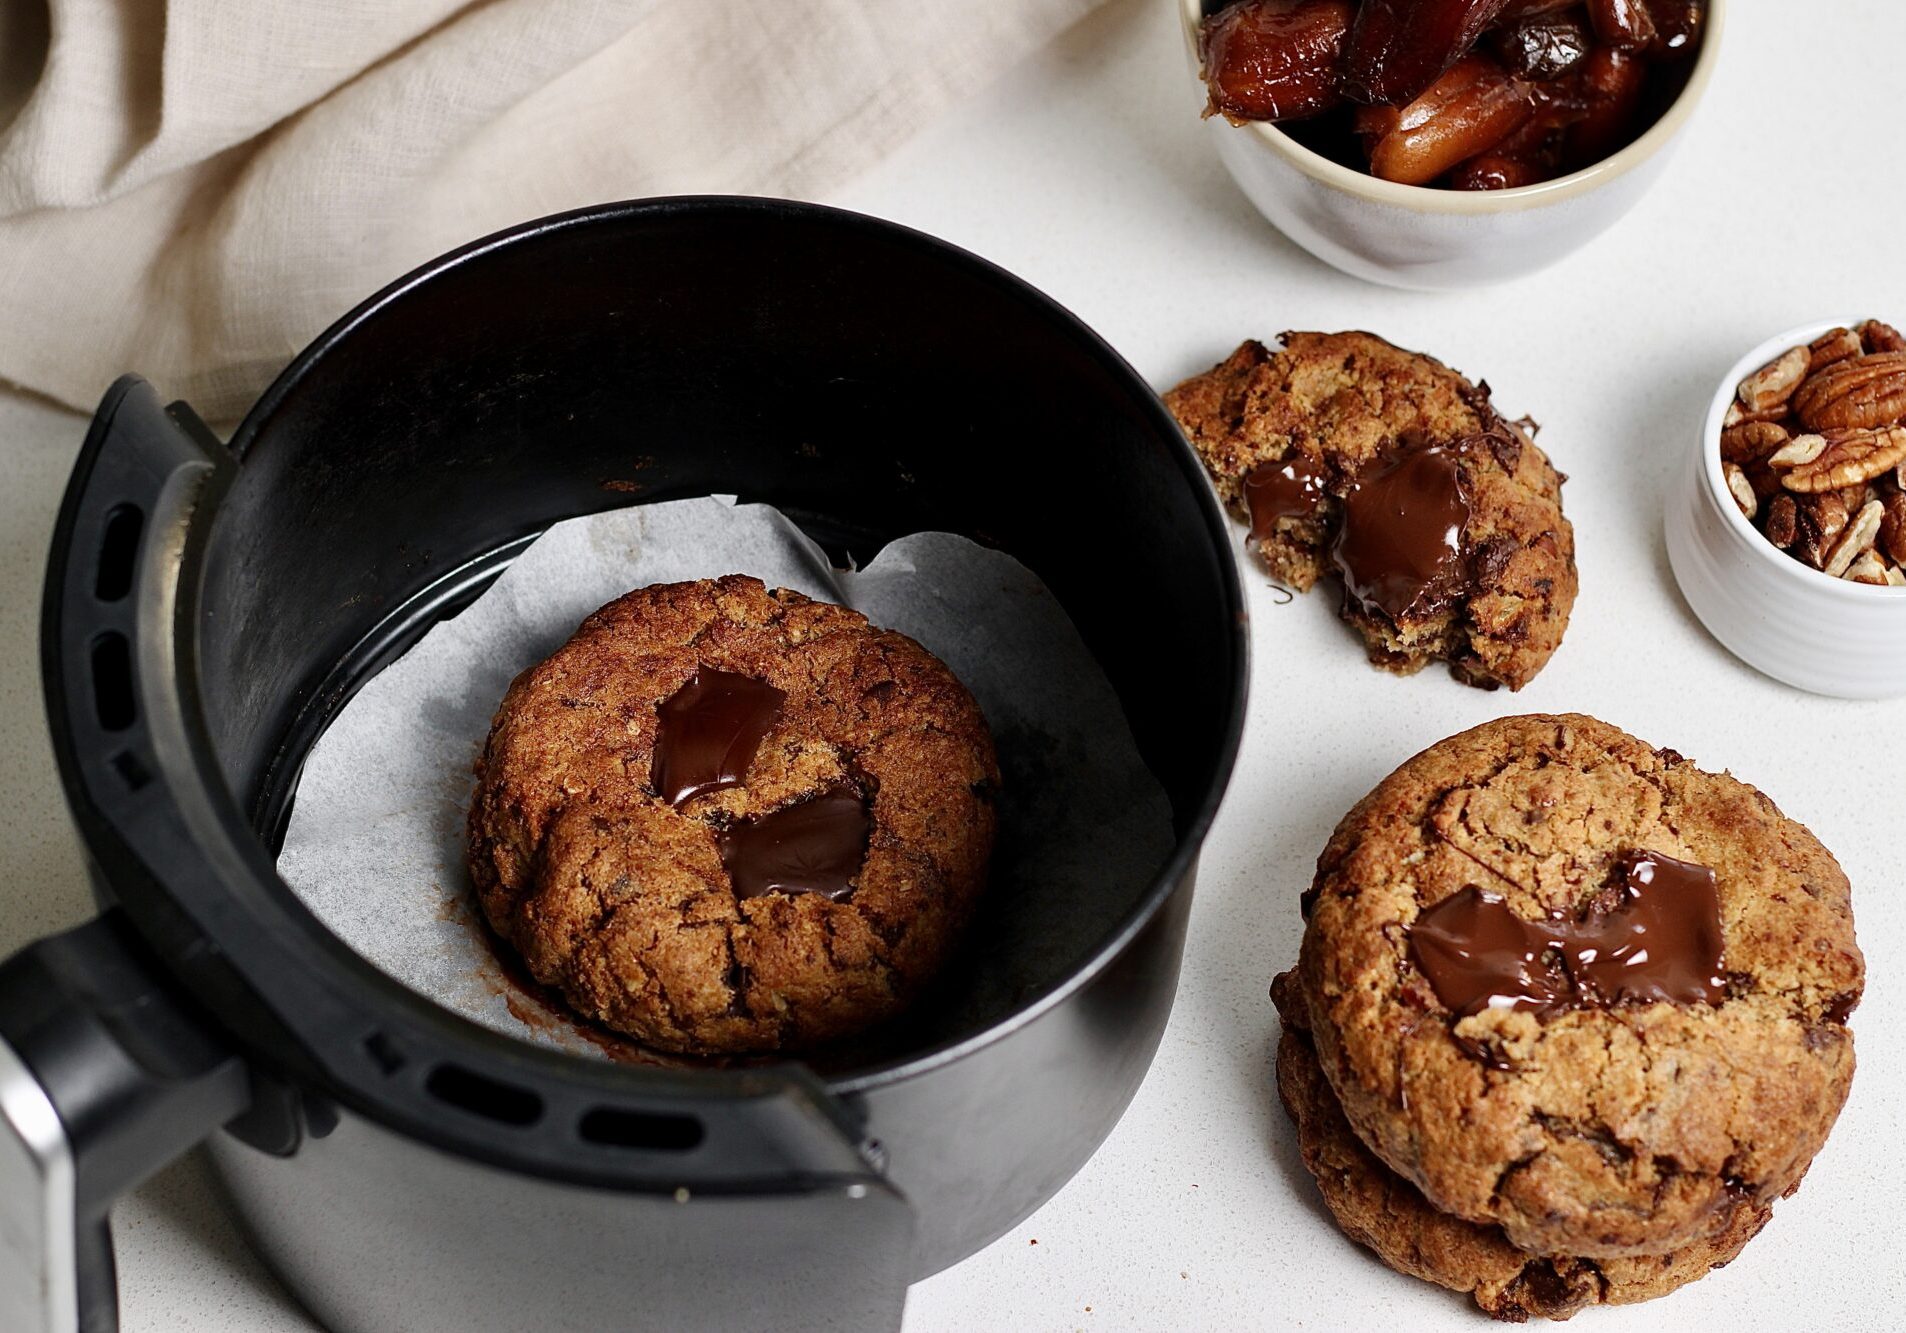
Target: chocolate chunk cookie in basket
{"x":727,"y":819}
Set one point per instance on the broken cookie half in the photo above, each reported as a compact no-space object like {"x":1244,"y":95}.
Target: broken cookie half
{"x":1351,"y":456}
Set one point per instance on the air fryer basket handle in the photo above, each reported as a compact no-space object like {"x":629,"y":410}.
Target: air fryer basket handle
{"x":105,"y":1076}
{"x":107,"y":1070}
{"x":109,"y":1067}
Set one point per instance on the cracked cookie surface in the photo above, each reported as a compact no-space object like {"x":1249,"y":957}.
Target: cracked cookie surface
{"x":1596,"y":1132}
{"x":1339,"y":406}
{"x":1379,"y":1209}
{"x":622,"y":902}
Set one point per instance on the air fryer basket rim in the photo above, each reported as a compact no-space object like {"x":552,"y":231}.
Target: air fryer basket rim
{"x":1187,"y":846}
{"x":325,"y":1056}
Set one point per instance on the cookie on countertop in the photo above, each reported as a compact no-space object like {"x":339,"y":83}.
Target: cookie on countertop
{"x":1349,"y":455}
{"x":1380,"y":1210}
{"x":722,"y":819}
{"x":1575,"y":987}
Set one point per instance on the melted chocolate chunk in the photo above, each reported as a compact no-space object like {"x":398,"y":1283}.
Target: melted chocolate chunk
{"x":1400,"y":548}
{"x":711,"y":728}
{"x":815,"y":846}
{"x":1290,"y":489}
{"x":1485,"y":1053}
{"x":1480,"y":955}
{"x":1659,"y":942}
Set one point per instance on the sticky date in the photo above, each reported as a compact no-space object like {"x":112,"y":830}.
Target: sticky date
{"x":1467,"y":112}
{"x":1544,"y":46}
{"x":1522,"y":9}
{"x":1398,"y":48}
{"x":1609,"y":88}
{"x":1275,"y":59}
{"x":1625,"y":24}
{"x":1677,"y":27}
{"x":1495,"y":171}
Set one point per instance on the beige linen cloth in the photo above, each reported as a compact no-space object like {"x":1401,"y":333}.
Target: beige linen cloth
{"x":192,"y":189}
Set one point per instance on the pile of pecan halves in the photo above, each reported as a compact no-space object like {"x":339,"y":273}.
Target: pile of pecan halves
{"x":1814,"y":450}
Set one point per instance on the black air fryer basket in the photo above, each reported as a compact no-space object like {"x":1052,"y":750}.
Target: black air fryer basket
{"x":210,"y":607}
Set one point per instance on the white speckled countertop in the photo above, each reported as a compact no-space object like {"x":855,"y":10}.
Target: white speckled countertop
{"x":1087,"y":173}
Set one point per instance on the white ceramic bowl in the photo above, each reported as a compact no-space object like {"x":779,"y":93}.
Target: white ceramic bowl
{"x":1773,"y":612}
{"x":1430,"y":239}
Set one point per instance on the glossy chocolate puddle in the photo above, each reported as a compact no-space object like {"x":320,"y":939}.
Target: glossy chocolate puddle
{"x":1400,"y":546}
{"x":816,"y":845}
{"x":709,"y":731}
{"x":1660,"y":942}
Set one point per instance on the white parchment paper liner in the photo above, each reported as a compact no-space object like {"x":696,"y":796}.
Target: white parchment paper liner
{"x":375,"y":841}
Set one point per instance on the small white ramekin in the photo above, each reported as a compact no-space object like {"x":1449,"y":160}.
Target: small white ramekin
{"x":1420,"y":237}
{"x":1776,"y":614}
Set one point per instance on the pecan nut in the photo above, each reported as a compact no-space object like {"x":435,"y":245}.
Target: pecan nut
{"x":1741,"y":489}
{"x":1798,"y":452}
{"x":1849,"y":458}
{"x":1765,"y":480}
{"x":1821,"y":519}
{"x":1856,"y":541}
{"x":1738,"y":415}
{"x":1783,"y":521}
{"x":1878,"y":336}
{"x":1775,"y":382}
{"x":1752,"y":441}
{"x":1831,"y":347}
{"x":1863,"y":392}
{"x":1893,"y":527}
{"x":1867,"y":568}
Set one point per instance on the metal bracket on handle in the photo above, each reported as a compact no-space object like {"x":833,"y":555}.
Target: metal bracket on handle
{"x":105,"y":1076}
{"x":39,"y":1288}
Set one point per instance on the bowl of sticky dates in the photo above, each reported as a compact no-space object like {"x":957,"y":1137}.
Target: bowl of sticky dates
{"x":1448,"y":143}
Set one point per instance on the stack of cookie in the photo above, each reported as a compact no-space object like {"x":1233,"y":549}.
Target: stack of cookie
{"x":1570,"y":1014}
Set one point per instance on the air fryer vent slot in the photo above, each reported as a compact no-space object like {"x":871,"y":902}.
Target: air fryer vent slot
{"x":493,"y":1100}
{"x":383,"y":1051}
{"x":118,"y":553}
{"x":131,"y":770}
{"x":112,"y":682}
{"x":653,"y":1131}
